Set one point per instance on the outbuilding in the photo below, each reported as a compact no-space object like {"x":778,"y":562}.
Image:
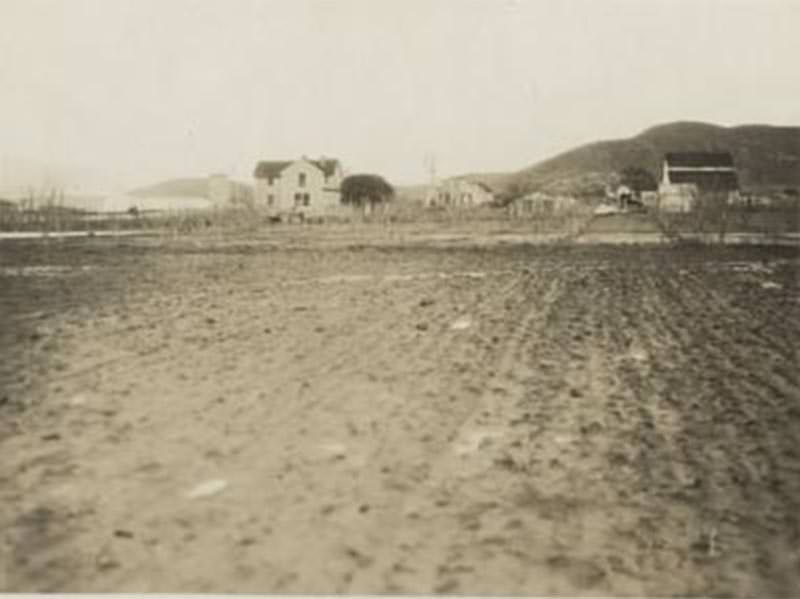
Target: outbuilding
{"x":686,"y":176}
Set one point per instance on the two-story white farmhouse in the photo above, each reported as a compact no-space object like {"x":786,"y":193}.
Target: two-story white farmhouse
{"x":304,"y":186}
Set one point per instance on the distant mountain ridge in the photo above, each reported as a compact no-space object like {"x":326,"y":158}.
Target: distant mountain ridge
{"x":765,"y":156}
{"x":185,"y":187}
{"x":180,"y":187}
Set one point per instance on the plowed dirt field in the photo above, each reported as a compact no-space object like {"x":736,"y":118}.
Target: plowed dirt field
{"x":546,"y":420}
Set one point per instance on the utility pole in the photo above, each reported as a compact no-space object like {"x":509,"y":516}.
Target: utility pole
{"x":430,"y":166}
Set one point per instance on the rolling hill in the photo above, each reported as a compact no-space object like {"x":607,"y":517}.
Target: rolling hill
{"x":185,"y":187}
{"x":766,"y":157}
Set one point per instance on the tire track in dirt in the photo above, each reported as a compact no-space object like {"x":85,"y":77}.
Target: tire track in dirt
{"x":418,"y":555}
{"x":380,"y":480}
{"x":663,"y":470}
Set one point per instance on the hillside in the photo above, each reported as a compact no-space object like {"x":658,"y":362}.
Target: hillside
{"x":766,"y":157}
{"x":185,"y":187}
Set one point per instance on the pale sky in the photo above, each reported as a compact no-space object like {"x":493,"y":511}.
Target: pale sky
{"x":139,"y":90}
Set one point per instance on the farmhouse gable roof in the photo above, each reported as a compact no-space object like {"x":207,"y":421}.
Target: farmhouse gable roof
{"x":707,"y":180}
{"x":271,"y":169}
{"x":327,"y":165}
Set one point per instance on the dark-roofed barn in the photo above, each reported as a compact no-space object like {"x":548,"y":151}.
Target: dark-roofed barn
{"x":686,"y":176}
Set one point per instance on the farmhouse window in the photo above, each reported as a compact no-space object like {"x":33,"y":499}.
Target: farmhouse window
{"x":301,"y":179}
{"x":270,"y":200}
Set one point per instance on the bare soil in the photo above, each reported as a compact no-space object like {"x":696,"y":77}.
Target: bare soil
{"x":208,"y":416}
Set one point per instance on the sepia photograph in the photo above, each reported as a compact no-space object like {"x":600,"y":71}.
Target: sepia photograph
{"x":400,"y":297}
